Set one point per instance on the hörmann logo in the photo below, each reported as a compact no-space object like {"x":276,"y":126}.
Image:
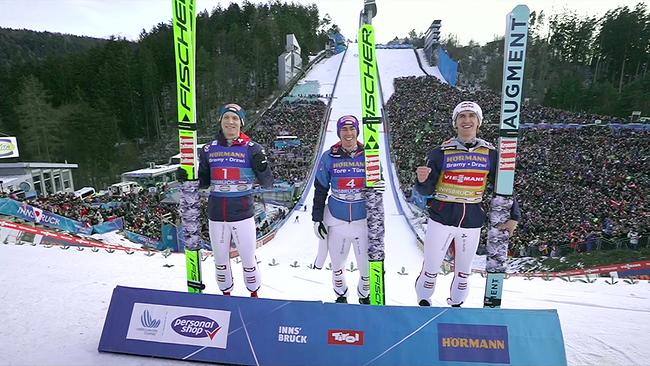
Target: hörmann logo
{"x":473,"y":343}
{"x":195,"y":326}
{"x":184,"y":23}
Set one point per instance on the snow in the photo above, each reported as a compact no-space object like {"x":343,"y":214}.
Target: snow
{"x":431,"y":70}
{"x":54,"y":308}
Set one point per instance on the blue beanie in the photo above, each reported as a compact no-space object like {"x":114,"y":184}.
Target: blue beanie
{"x":347,"y":120}
{"x":234,"y":108}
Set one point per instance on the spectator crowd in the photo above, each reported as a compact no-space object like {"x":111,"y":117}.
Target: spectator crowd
{"x":303,"y":119}
{"x":143,"y":212}
{"x":576,"y":185}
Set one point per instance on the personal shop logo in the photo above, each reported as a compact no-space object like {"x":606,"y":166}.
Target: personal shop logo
{"x":345,"y":337}
{"x":473,"y":343}
{"x":195,"y":326}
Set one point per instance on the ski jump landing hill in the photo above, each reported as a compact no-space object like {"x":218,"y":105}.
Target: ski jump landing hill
{"x":293,"y":325}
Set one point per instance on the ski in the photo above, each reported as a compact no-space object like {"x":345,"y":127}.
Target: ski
{"x":371,"y":121}
{"x":514,"y":56}
{"x":184,"y":23}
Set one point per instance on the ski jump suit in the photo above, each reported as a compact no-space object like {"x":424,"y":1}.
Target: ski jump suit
{"x":459,"y":176}
{"x":230,"y":172}
{"x":345,"y":213}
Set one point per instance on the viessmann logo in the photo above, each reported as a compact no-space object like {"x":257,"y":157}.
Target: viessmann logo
{"x":345,"y":337}
{"x":465,"y":179}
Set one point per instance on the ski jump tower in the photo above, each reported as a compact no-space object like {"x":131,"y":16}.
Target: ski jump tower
{"x":289,"y":62}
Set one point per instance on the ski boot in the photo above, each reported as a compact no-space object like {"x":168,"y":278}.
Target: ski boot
{"x":424,"y":302}
{"x":452,"y":304}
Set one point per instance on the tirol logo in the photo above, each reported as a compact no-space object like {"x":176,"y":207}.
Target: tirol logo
{"x":195,"y":326}
{"x":345,"y":337}
{"x":147,"y":321}
{"x":473,"y":343}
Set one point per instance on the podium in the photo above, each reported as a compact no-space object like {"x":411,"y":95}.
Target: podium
{"x":257,"y":331}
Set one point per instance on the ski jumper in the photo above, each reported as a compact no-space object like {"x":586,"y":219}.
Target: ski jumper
{"x":458,"y":179}
{"x":230,"y":171}
{"x":345,"y":213}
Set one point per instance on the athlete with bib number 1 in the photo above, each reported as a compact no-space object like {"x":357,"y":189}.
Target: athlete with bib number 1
{"x":229,"y":166}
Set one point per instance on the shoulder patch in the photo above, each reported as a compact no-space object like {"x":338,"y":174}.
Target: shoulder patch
{"x":206,"y":147}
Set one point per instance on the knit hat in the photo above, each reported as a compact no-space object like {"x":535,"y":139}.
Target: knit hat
{"x":347,"y":120}
{"x":467,"y":106}
{"x":234,"y":108}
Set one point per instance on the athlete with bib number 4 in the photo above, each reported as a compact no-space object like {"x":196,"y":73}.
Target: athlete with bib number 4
{"x":457,"y":174}
{"x":342,"y":222}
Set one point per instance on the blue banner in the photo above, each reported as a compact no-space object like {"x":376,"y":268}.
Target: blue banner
{"x":245,"y":331}
{"x":141,"y":239}
{"x":447,"y":66}
{"x":108,"y":226}
{"x":26,"y":212}
{"x":169,"y":238}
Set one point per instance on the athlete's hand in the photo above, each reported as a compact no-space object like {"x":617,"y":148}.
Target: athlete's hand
{"x":181,"y":175}
{"x":509,"y":225}
{"x":320,"y":230}
{"x":423,"y":173}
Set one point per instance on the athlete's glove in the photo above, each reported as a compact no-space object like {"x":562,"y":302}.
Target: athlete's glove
{"x":181,"y":175}
{"x":320,"y":230}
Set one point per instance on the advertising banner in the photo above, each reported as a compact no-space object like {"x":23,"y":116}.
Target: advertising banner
{"x":141,"y":239}
{"x":108,"y":226}
{"x":26,"y":212}
{"x":8,"y":147}
{"x":245,"y":331}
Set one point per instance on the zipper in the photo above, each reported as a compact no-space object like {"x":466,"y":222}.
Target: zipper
{"x":462,"y":217}
{"x":349,"y":212}
{"x":223,"y":199}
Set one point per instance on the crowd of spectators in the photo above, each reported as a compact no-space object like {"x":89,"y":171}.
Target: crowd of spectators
{"x":577,"y":186}
{"x":303,"y":119}
{"x":142,"y":212}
